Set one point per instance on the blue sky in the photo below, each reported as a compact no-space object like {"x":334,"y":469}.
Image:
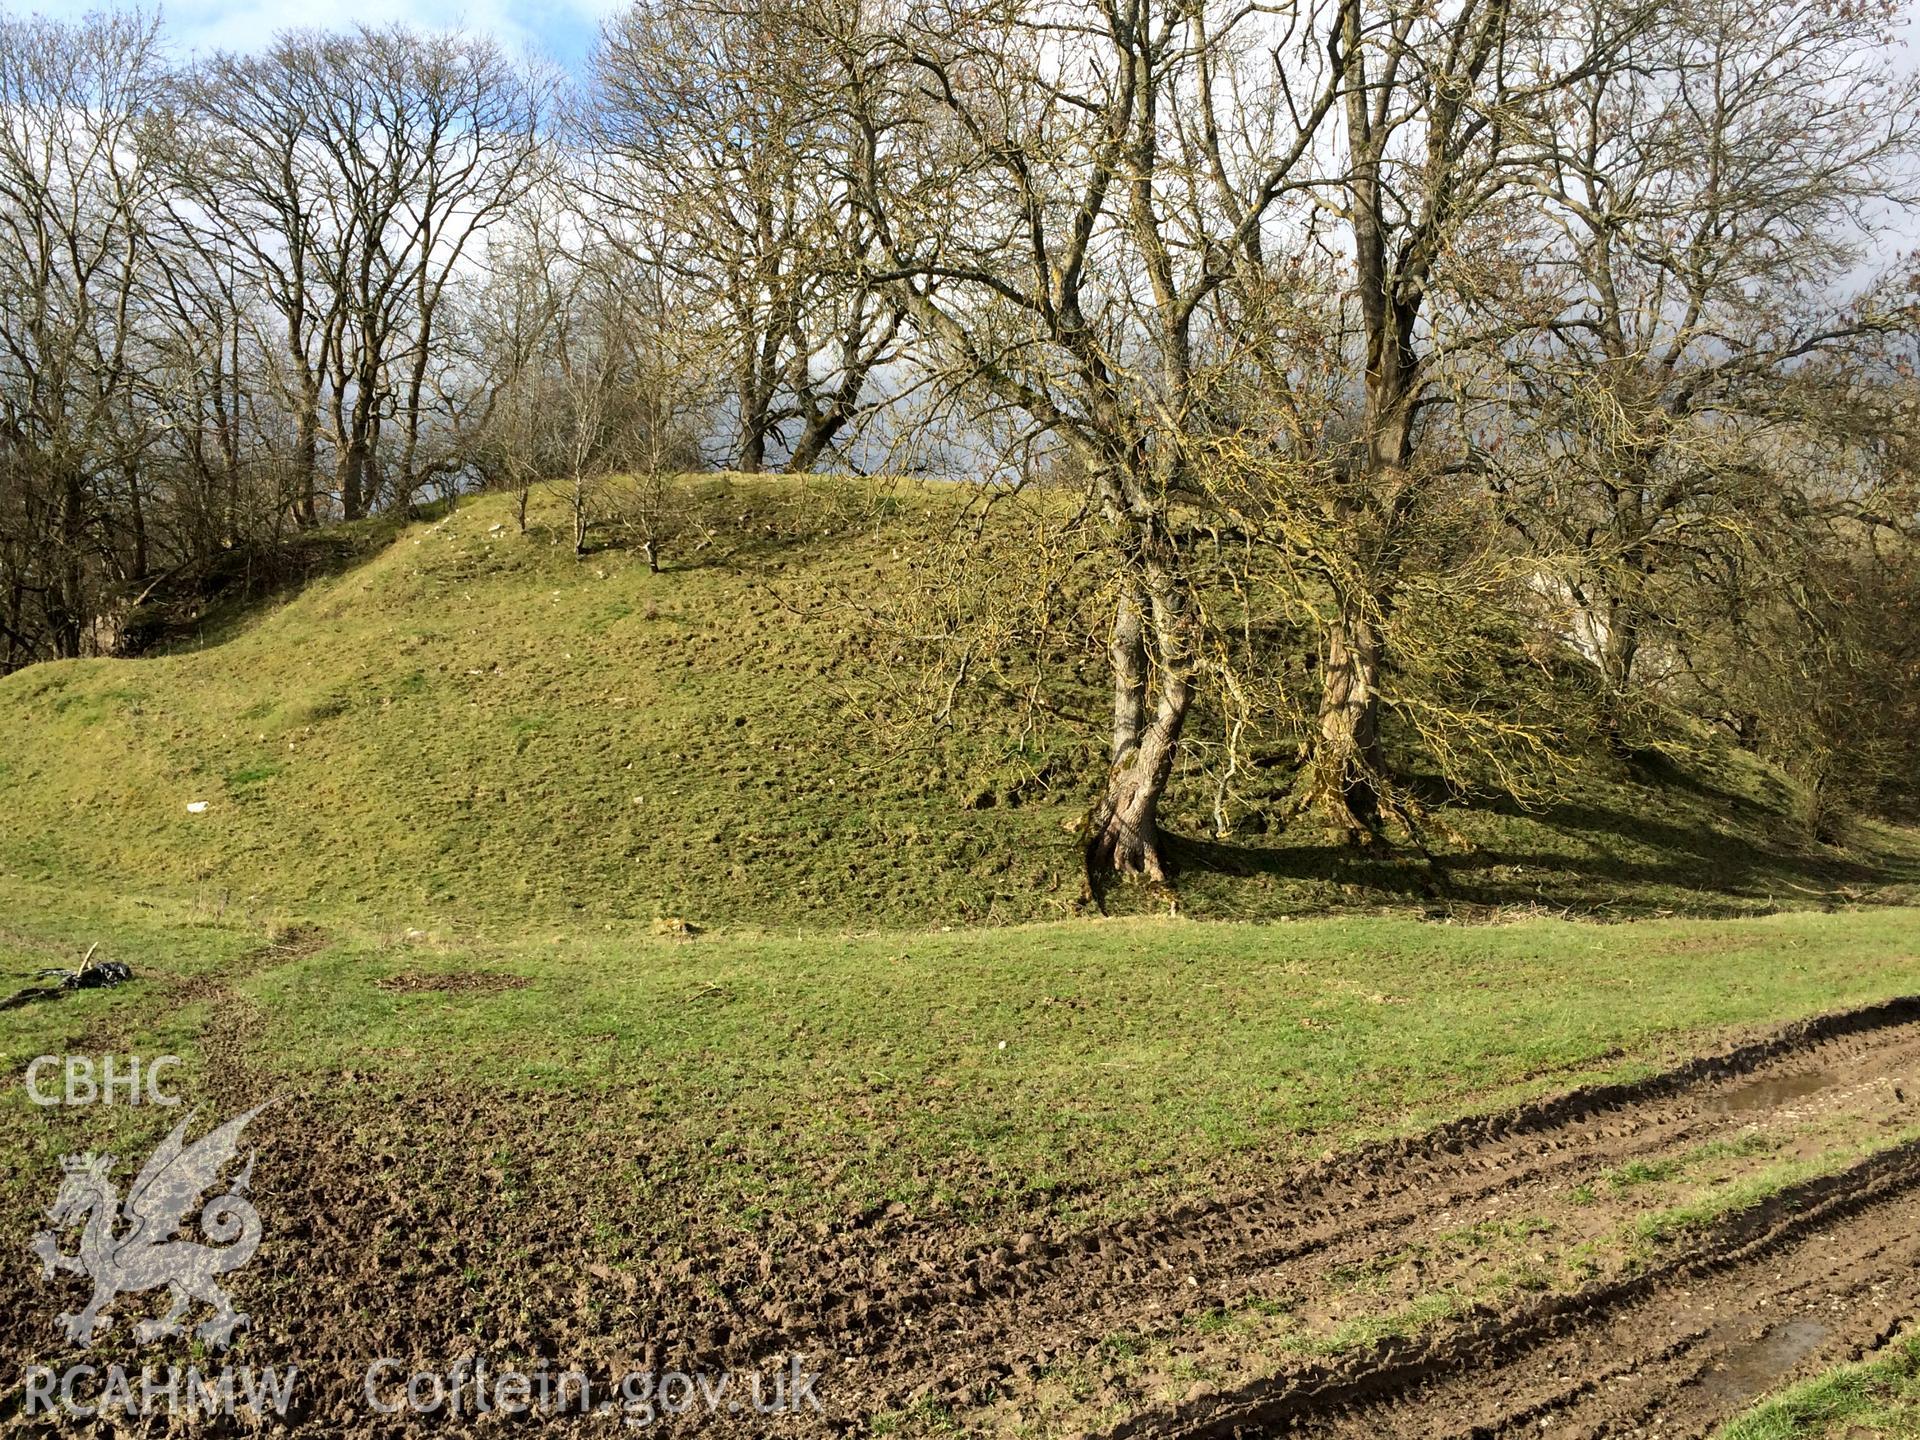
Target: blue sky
{"x":561,"y":30}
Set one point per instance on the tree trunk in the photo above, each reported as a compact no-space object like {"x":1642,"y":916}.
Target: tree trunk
{"x":67,"y":613}
{"x":1617,"y":654}
{"x":814,"y":439}
{"x":16,"y":606}
{"x":1124,"y":838}
{"x":306,"y":469}
{"x":353,"y":468}
{"x":754,"y":401}
{"x":136,"y":523}
{"x":306,"y":446}
{"x":1124,"y":831}
{"x":1347,"y":764}
{"x":360,"y":487}
{"x":753,"y":451}
{"x":825,"y":422}
{"x":1128,"y":649}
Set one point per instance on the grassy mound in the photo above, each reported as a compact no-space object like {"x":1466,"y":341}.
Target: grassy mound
{"x":473,"y":724}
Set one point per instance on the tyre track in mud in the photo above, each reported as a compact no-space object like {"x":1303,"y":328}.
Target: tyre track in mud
{"x":990,"y":1322}
{"x":1815,"y":1276}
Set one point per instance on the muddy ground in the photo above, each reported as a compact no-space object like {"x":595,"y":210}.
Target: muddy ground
{"x":1643,"y":1259}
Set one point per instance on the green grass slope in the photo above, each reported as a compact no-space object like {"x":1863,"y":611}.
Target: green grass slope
{"x":473,"y":724}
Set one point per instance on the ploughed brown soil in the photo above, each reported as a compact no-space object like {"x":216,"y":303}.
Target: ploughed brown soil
{"x":1640,"y":1259}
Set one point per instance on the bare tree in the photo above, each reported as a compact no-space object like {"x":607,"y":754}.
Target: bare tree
{"x":78,"y":190}
{"x":710,"y":135}
{"x":589,"y":374}
{"x":1061,"y":194}
{"x":356,"y":174}
{"x":1437,"y":140}
{"x":1709,"y":193}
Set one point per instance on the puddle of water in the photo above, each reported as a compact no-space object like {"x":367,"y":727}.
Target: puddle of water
{"x":1756,"y":1366}
{"x":1769,"y":1094}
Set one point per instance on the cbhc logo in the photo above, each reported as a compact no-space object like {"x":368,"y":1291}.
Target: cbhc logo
{"x":116,"y":1080}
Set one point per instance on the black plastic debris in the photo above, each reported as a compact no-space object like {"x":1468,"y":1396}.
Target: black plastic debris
{"x":92,"y":975}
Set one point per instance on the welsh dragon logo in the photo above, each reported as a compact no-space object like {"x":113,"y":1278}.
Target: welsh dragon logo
{"x":146,"y":1255}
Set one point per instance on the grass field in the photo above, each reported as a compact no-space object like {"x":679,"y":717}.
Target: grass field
{"x":1106,"y":1064}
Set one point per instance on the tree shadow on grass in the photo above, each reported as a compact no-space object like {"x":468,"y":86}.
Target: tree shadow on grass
{"x":1730,"y":857}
